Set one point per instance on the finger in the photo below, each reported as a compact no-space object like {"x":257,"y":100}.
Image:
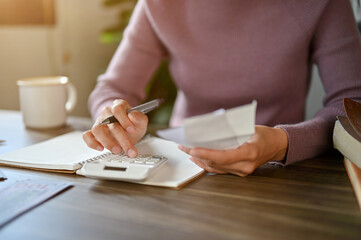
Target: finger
{"x":201,"y":163}
{"x":90,"y":140}
{"x":238,"y":173}
{"x":184,"y":149}
{"x":139,"y":120}
{"x":187,"y":150}
{"x":212,"y":158}
{"x":103,"y":135}
{"x":119,"y":110}
{"x":106,"y":112}
{"x":220,"y":157}
{"x":122,"y":138}
{"x":246,"y":151}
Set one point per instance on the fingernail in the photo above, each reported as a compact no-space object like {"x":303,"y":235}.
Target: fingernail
{"x":116,"y":150}
{"x":100,"y":148}
{"x":132,"y":153}
{"x":130,"y":129}
{"x":181,"y":147}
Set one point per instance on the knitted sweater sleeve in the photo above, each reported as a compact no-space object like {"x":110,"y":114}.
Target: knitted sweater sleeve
{"x":132,"y":66}
{"x":336,"y":50}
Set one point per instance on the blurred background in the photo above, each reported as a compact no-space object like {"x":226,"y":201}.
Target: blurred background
{"x":77,"y":38}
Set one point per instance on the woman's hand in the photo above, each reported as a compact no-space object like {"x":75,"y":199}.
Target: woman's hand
{"x":267,"y":144}
{"x":117,"y":136}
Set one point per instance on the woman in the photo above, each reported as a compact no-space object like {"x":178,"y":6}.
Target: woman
{"x":223,"y":54}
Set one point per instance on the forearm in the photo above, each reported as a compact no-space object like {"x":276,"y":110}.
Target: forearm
{"x":126,"y":78}
{"x":307,"y":139}
{"x":131,"y":67}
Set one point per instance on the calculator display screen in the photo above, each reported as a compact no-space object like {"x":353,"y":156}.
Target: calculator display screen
{"x":122,"y":169}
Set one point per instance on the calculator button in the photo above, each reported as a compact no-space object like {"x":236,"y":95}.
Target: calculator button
{"x":139,"y":161}
{"x":154,"y":160}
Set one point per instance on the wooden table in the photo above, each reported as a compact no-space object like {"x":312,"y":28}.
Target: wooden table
{"x":312,"y":199}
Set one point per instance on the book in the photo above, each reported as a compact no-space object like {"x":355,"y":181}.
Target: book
{"x":354,"y":174}
{"x":68,"y":153}
{"x":347,"y":141}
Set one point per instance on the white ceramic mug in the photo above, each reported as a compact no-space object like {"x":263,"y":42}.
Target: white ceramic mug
{"x":46,"y":101}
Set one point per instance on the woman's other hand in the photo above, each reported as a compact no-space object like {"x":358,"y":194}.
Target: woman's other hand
{"x":267,"y":144}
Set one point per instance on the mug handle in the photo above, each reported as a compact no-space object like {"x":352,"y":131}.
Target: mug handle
{"x":72,"y":97}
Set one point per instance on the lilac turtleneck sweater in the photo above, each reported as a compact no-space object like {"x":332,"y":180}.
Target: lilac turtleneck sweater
{"x":225,"y":53}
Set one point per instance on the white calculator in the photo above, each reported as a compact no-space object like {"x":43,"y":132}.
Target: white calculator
{"x":123,"y":168}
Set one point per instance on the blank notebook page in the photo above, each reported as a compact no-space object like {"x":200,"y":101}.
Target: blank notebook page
{"x":60,"y":153}
{"x":68,"y":151}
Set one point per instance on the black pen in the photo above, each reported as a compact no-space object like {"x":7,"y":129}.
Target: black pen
{"x":143,"y":108}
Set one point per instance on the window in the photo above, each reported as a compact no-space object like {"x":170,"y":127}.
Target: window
{"x":27,"y":12}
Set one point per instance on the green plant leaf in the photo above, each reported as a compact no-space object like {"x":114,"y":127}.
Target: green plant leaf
{"x":111,"y":37}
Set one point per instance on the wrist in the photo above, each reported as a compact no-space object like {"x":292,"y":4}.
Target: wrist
{"x":281,"y":144}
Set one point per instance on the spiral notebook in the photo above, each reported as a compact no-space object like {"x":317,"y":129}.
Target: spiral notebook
{"x":68,"y":152}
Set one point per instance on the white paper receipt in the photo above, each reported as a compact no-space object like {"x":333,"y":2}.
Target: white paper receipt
{"x":222,"y":129}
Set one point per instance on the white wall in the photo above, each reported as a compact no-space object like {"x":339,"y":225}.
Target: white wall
{"x":315,"y":95}
{"x":356,"y":9}
{"x":70,"y":48}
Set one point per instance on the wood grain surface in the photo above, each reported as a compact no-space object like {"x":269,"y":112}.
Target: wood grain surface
{"x":312,"y":199}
